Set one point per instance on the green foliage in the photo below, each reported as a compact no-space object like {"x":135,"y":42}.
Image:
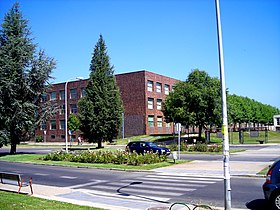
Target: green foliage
{"x":105,"y":157}
{"x":244,"y":110}
{"x":195,"y":101}
{"x":73,"y":122}
{"x":39,"y":139}
{"x":199,"y":147}
{"x":101,"y":109}
{"x":24,"y":75}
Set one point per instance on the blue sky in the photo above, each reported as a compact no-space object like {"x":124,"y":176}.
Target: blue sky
{"x":168,"y":37}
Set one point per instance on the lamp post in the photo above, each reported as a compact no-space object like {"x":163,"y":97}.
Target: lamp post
{"x":66,"y":114}
{"x":227,"y":188}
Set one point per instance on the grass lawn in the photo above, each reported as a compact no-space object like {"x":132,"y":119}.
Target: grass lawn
{"x":14,"y":201}
{"x":35,"y":158}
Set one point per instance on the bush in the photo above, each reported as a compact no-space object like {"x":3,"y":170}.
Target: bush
{"x":199,"y":147}
{"x":118,"y":157}
{"x":39,"y":139}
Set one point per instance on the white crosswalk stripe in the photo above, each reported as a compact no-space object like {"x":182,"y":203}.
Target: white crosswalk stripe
{"x":157,"y":185}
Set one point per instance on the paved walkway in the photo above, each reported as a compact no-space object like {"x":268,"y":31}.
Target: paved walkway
{"x":107,"y":201}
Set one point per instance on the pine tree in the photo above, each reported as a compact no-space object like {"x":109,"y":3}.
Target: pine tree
{"x":101,"y":108}
{"x":24,"y":74}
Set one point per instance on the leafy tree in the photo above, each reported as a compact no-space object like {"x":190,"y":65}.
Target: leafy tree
{"x":73,"y":122}
{"x":101,"y":109}
{"x":24,"y":75}
{"x":195,"y":101}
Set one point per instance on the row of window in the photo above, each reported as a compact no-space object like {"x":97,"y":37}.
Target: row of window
{"x":158,"y":123}
{"x":151,"y":103}
{"x":150,"y":87}
{"x":73,"y":94}
{"x":73,"y":109}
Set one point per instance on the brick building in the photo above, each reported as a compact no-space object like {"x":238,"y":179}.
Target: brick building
{"x":142,"y":93}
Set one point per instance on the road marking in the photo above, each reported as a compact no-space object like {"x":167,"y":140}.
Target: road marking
{"x":87,"y":184}
{"x":181,"y":181}
{"x":185,"y":177}
{"x":68,"y":177}
{"x":40,"y":174}
{"x":148,"y":186}
{"x":138,"y":190}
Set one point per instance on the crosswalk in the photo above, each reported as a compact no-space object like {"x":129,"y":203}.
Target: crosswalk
{"x":157,"y":186}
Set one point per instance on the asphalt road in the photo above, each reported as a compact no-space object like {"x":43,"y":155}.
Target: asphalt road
{"x":146,"y":185}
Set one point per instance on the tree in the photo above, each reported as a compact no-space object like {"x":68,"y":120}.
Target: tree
{"x":73,"y":122}
{"x":195,"y":101}
{"x":24,"y":75}
{"x":101,"y":109}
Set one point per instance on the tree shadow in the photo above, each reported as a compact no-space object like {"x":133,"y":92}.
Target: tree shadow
{"x":258,"y":204}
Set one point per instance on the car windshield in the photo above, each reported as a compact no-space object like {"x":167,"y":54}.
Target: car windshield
{"x":151,"y":144}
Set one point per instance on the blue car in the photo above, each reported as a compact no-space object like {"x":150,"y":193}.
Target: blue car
{"x":271,"y":187}
{"x":141,"y":147}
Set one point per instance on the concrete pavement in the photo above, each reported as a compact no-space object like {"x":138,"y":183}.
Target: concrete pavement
{"x":119,"y":202}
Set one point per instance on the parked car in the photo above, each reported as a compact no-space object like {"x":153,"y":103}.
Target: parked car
{"x":271,"y":187}
{"x":141,"y":147}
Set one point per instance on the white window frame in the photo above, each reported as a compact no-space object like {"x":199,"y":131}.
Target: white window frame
{"x":150,"y":103}
{"x":73,"y":95}
{"x":159,"y":121}
{"x":166,"y":89}
{"x":150,"y":85}
{"x":159,"y":104}
{"x":151,"y":121}
{"x":158,"y":87}
{"x":53,"y":96}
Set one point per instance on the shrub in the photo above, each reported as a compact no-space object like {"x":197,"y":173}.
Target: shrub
{"x":118,"y":157}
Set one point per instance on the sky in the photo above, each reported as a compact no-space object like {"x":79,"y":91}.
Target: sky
{"x":167,"y":37}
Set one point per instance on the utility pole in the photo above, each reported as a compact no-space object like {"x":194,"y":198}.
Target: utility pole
{"x":227,"y":188}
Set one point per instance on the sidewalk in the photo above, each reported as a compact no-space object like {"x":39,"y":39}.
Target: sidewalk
{"x":120,"y":202}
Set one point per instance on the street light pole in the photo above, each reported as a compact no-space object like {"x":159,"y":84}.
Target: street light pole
{"x":66,"y":114}
{"x":227,"y":188}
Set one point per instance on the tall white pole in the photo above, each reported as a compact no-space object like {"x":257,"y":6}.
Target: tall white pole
{"x":66,"y":107}
{"x":227,"y":188}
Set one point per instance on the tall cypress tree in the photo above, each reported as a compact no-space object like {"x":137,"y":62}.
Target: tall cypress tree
{"x":24,"y":75}
{"x":101,"y":109}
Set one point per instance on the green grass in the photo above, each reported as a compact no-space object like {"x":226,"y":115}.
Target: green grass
{"x":14,"y":201}
{"x":35,"y":158}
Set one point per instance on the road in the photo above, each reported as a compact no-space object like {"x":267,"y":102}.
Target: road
{"x":150,"y":186}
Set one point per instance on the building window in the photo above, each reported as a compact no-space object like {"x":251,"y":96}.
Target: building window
{"x":73,"y":108}
{"x":173,"y":88}
{"x":277,"y":121}
{"x":168,"y":124}
{"x":150,"y":103}
{"x":62,"y":136}
{"x":62,"y":109}
{"x":166,"y":89}
{"x":158,"y":87}
{"x":151,"y":121}
{"x":150,"y":85}
{"x":73,"y":93}
{"x":159,"y":104}
{"x":44,"y":97}
{"x":53,"y":96}
{"x":83,"y":92}
{"x":62,"y":125}
{"x":159,"y":122}
{"x":44,"y":125}
{"x":53,"y":125}
{"x":53,"y":136}
{"x":62,"y":94}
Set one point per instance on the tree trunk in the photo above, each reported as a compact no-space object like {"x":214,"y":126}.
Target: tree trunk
{"x":99,"y":143}
{"x":13,"y":148}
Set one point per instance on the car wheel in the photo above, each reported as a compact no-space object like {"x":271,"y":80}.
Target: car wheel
{"x":276,"y":200}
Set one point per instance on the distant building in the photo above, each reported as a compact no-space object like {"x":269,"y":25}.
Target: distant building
{"x":276,"y":122}
{"x":142,"y":93}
